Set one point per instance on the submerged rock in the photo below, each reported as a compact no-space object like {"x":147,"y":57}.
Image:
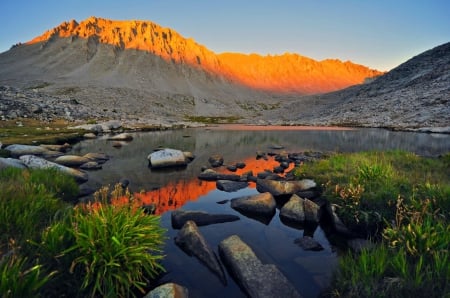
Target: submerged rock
{"x":308,"y":243}
{"x":257,"y":279}
{"x":201,"y":218}
{"x":211,"y":175}
{"x":98,"y":157}
{"x":216,"y":160}
{"x":193,"y":243}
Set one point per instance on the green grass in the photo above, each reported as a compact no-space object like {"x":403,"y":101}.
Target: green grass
{"x":49,"y":248}
{"x":400,"y":200}
{"x":212,"y":120}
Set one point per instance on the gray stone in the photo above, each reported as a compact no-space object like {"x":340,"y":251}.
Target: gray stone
{"x":293,"y":210}
{"x":211,"y":175}
{"x":35,"y":162}
{"x":167,"y":158}
{"x":201,"y":218}
{"x":19,"y":150}
{"x":91,"y":165}
{"x":230,"y":186}
{"x":193,"y":243}
{"x":60,"y":148}
{"x":72,"y":160}
{"x":11,"y":162}
{"x":279,"y":188}
{"x":257,"y":279}
{"x":169,"y":290}
{"x":262,"y":204}
{"x":98,"y":157}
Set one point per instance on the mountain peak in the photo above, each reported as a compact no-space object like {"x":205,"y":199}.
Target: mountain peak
{"x":286,"y":73}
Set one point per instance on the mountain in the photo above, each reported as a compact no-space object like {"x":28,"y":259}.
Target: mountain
{"x":416,"y":94}
{"x":288,"y":73}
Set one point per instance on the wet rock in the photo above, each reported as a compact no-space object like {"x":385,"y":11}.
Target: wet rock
{"x":211,"y":175}
{"x":262,"y":204}
{"x":263,"y":174}
{"x":169,"y":290}
{"x":255,"y":278}
{"x":279,"y":188}
{"x":98,"y":157}
{"x":60,"y":148}
{"x":167,"y":158}
{"x":261,"y":154}
{"x":72,"y":160}
{"x":308,"y":243}
{"x":11,"y":162}
{"x":90,"y":135}
{"x":91,"y":165}
{"x":293,"y":210}
{"x":121,"y":137}
{"x":193,"y":243}
{"x":201,"y":218}
{"x":215,"y":160}
{"x":278,"y":170}
{"x":35,"y":162}
{"x":284,"y":164}
{"x":240,"y":165}
{"x":230,"y":186}
{"x":337,"y":224}
{"x":19,"y":150}
{"x":232,"y":168}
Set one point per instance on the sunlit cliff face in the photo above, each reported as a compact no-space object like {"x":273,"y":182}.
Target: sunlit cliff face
{"x":287,"y":73}
{"x":175,"y":195}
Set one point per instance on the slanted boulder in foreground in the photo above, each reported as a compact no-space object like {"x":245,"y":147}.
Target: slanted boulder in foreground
{"x":257,"y":279}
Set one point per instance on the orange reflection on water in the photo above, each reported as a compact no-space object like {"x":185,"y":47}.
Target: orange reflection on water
{"x":175,"y":194}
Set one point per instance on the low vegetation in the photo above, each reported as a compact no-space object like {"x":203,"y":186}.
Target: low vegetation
{"x":212,"y":120}
{"x":402,"y":202}
{"x":49,"y":248}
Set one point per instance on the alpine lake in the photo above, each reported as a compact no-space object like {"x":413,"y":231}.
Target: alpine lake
{"x":273,"y":242}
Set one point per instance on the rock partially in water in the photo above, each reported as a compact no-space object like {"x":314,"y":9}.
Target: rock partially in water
{"x":309,"y":243}
{"x":193,"y":243}
{"x":11,"y":162}
{"x":18,"y":150}
{"x":91,"y":165}
{"x":201,"y":218}
{"x":293,"y":210}
{"x":215,"y":160}
{"x":169,"y":290}
{"x":35,"y":162}
{"x":230,"y":186}
{"x":90,"y":135}
{"x":167,"y":158}
{"x":279,"y":188}
{"x":211,"y":175}
{"x":262,"y":204}
{"x":97,"y":157}
{"x":257,"y":279}
{"x":60,"y":148}
{"x":72,"y":160}
{"x":312,"y":211}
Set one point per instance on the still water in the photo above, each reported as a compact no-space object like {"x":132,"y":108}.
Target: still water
{"x":273,"y":242}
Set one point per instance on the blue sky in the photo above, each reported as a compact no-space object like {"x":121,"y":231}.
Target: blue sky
{"x":380,"y":34}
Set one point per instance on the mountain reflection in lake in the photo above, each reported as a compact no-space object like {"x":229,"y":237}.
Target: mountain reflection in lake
{"x":179,"y":188}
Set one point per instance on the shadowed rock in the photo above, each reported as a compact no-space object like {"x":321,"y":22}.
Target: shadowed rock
{"x":169,"y":290}
{"x":201,"y":218}
{"x":35,"y":162}
{"x":312,"y":211}
{"x":293,"y":210}
{"x":230,"y":186}
{"x":255,"y":278}
{"x":211,"y":175}
{"x":98,"y":157}
{"x":193,"y":243}
{"x":308,"y":243}
{"x":19,"y":150}
{"x":11,"y":162}
{"x":263,"y":204}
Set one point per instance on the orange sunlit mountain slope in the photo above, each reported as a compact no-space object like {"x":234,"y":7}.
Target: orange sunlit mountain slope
{"x":288,"y":73}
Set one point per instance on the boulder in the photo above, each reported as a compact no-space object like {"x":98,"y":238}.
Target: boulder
{"x":255,"y":278}
{"x":262,"y":204}
{"x":279,"y":188}
{"x":338,"y":226}
{"x":11,"y":162}
{"x":169,"y":290}
{"x":193,"y":243}
{"x":71,"y":160}
{"x":216,"y":160}
{"x":35,"y":162}
{"x":61,"y":148}
{"x":121,"y":137}
{"x":201,"y":218}
{"x":110,"y":125}
{"x":167,"y":158}
{"x":293,"y":210}
{"x":312,"y":211}
{"x":240,"y":165}
{"x":230,"y":186}
{"x":19,"y":150}
{"x":189,"y":156}
{"x":232,"y":168}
